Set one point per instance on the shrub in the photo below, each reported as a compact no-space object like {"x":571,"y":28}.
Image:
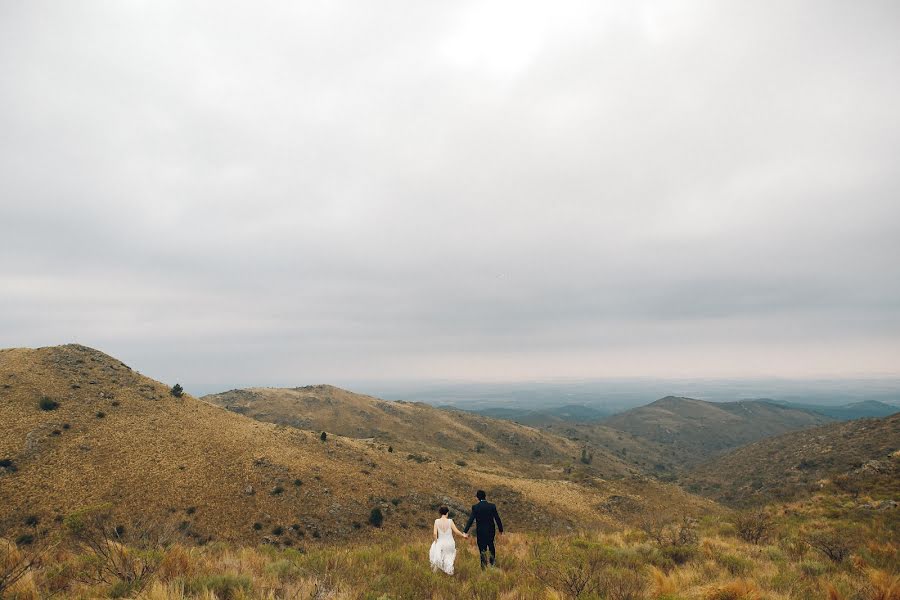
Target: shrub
{"x":736,"y":565}
{"x":32,"y":520}
{"x":753,"y":526}
{"x":101,"y":414}
{"x":225,"y":587}
{"x":115,"y":555}
{"x":177,"y":390}
{"x":461,"y":463}
{"x":6,"y":463}
{"x":324,"y":436}
{"x":836,"y":542}
{"x":298,"y":482}
{"x":376,"y":518}
{"x":66,"y":426}
{"x":277,"y":490}
{"x":25,"y":539}
{"x":390,"y":448}
{"x":48,"y":404}
{"x":277,"y":530}
{"x":586,"y":456}
{"x":257,"y":526}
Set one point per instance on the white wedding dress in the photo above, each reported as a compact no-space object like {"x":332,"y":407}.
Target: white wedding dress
{"x":443,"y":549}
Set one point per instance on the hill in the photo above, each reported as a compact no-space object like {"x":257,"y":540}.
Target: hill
{"x":691,"y":431}
{"x":861,"y":455}
{"x":432,"y":433}
{"x":81,"y":428}
{"x":846,"y":412}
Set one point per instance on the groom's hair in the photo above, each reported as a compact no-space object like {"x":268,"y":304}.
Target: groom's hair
{"x":443,"y":510}
{"x":480,"y":495}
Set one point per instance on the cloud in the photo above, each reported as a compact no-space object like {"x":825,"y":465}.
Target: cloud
{"x":471,"y":190}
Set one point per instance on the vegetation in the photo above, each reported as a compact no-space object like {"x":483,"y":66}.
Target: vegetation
{"x":627,"y":564}
{"x":48,"y":404}
{"x":177,"y":390}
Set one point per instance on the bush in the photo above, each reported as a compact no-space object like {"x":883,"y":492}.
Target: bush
{"x":753,"y":526}
{"x":376,"y":518}
{"x":836,"y":542}
{"x":736,"y":565}
{"x":298,"y":482}
{"x":277,"y":530}
{"x":390,"y":448}
{"x":101,"y":414}
{"x":324,"y":436}
{"x":225,"y":587}
{"x":277,"y":490}
{"x":25,"y":539}
{"x":257,"y":526}
{"x":177,"y":390}
{"x":48,"y":404}
{"x":32,"y":520}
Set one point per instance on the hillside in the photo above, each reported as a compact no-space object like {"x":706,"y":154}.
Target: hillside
{"x":846,"y":412}
{"x":81,"y":428}
{"x":691,"y":431}
{"x":858,"y":456}
{"x":429,"y":432}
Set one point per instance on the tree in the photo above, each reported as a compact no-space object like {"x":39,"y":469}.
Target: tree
{"x":324,"y":436}
{"x":177,"y":390}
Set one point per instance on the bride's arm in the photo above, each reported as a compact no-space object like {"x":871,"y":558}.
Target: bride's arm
{"x":434,"y":531}
{"x":457,"y":531}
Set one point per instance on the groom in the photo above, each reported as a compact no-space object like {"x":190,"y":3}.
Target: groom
{"x":484,"y":514}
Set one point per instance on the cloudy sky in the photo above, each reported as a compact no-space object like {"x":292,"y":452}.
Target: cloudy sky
{"x":301,"y":192}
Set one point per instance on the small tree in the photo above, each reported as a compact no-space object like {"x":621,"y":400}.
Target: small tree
{"x":177,"y":390}
{"x":753,"y":525}
{"x":376,"y":517}
{"x":324,"y":436}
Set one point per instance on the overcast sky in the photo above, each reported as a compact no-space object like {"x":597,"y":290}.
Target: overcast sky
{"x":303,"y":192}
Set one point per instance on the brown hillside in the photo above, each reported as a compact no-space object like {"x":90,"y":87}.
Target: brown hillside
{"x":415,"y":427}
{"x":216,"y":473}
{"x":863,"y":452}
{"x":691,"y":431}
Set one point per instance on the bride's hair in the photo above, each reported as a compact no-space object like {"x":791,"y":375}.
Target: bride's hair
{"x":443,"y":510}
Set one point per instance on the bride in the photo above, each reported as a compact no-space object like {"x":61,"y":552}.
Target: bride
{"x":443,"y":549}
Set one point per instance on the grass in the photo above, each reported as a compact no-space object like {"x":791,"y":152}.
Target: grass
{"x":626,"y":564}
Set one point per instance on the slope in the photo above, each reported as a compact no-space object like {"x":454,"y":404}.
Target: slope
{"x":81,"y":428}
{"x":691,"y":431}
{"x":860,"y":455}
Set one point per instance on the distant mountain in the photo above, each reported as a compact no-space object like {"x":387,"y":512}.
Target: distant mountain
{"x":863,"y":454}
{"x":574,"y":413}
{"x":692,"y":431}
{"x":846,"y":412}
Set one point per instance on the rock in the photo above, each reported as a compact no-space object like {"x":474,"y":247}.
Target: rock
{"x":249,"y":491}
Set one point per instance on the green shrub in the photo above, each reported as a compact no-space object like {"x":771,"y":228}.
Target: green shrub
{"x":736,"y":565}
{"x":225,"y":586}
{"x":376,"y":518}
{"x":177,"y":390}
{"x":48,"y":404}
{"x":812,"y":568}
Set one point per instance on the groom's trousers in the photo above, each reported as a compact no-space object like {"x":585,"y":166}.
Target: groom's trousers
{"x":486,"y":550}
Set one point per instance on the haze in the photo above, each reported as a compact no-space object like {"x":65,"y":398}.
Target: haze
{"x":324,"y":191}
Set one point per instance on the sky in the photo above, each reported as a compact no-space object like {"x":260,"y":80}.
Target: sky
{"x":288,"y":193}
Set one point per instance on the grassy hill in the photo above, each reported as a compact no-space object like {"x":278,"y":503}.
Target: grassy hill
{"x":81,"y":428}
{"x":691,"y":431}
{"x":427,"y":432}
{"x":861,"y":456}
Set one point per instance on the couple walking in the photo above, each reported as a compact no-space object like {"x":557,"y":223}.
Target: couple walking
{"x":443,"y":550}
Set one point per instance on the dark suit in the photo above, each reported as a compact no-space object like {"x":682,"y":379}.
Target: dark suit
{"x":484,"y":514}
